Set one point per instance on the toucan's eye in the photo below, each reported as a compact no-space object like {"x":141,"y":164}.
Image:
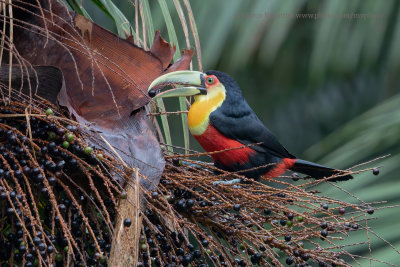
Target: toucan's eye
{"x":210,"y":80}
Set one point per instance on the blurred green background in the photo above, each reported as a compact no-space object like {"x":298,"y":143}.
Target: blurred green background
{"x":322,"y":75}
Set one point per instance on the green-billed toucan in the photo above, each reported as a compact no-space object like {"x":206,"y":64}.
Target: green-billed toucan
{"x":221,"y":119}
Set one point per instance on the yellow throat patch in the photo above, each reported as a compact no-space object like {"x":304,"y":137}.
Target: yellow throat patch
{"x":199,"y":112}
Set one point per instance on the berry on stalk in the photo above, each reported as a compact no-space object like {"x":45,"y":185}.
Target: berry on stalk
{"x":88,"y":150}
{"x":49,"y":112}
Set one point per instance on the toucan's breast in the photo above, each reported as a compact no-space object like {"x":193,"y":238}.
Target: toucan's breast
{"x":199,"y":112}
{"x":212,"y":140}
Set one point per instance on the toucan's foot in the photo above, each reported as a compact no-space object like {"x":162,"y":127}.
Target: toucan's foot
{"x":190,"y":164}
{"x":194,"y":164}
{"x":233,"y":181}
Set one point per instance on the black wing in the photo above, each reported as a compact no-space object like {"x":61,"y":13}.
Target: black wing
{"x":246,"y":128}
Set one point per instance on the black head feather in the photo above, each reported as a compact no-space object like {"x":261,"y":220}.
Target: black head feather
{"x":231,"y":86}
{"x":234,"y":105}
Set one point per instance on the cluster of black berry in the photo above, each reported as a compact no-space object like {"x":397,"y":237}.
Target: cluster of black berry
{"x":48,"y":212}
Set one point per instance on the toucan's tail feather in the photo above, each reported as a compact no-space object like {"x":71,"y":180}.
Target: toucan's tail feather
{"x":318,"y":171}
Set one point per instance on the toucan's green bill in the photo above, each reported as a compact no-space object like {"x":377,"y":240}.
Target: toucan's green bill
{"x":189,"y":82}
